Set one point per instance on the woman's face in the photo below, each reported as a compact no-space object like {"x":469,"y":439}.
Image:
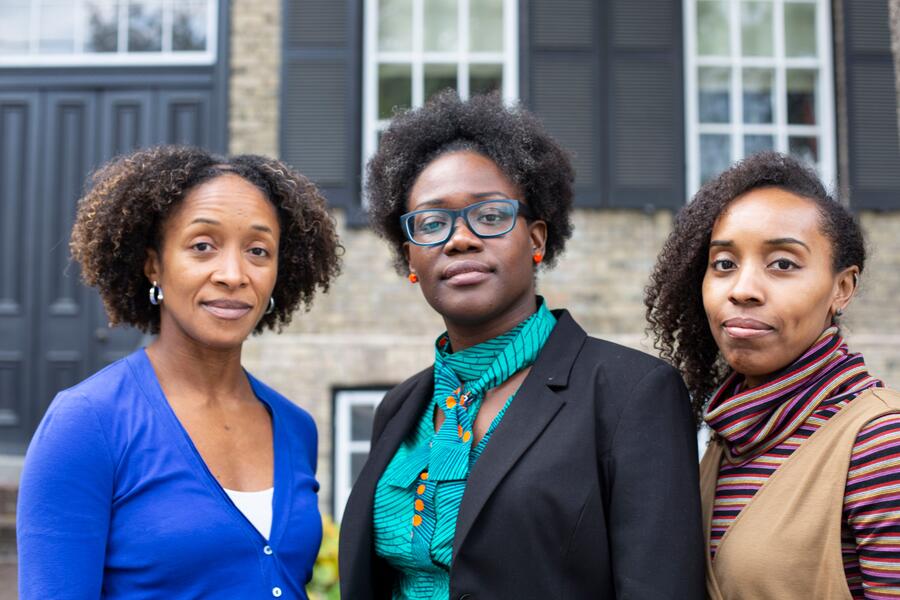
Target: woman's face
{"x":218,"y":263}
{"x":770,"y":289}
{"x":469,"y":280}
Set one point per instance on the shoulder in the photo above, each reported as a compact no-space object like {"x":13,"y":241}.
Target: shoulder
{"x":104,"y":393}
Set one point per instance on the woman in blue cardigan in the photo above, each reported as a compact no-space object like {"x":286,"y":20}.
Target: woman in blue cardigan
{"x":173,"y":473}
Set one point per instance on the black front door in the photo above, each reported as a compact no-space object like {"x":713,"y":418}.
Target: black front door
{"x":55,"y":129}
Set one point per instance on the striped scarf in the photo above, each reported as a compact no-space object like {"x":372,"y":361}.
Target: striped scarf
{"x":753,"y":421}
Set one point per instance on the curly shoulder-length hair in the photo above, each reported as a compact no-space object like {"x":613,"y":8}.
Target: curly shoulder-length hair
{"x":510,"y":136}
{"x":674,"y":305}
{"x":129,"y":199}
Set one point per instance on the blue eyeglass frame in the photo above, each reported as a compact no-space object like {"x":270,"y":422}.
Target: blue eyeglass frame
{"x":519,"y":208}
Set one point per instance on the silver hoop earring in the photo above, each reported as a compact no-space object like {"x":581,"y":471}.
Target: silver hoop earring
{"x":156,"y":294}
{"x":271,"y":308}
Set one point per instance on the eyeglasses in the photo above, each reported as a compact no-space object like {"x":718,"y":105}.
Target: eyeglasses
{"x":486,"y":219}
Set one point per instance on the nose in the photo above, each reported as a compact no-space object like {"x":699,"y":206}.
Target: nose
{"x":462,"y":239}
{"x":230,"y":270}
{"x":747,"y":286}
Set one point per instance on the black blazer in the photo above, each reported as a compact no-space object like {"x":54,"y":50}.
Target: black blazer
{"x":587,"y":489}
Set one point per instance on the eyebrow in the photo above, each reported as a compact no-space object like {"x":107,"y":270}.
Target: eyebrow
{"x":786,"y":240}
{"x":206,"y":221}
{"x":773,"y":242}
{"x":439,"y":201}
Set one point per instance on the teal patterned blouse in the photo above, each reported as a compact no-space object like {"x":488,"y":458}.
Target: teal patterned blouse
{"x":417,"y":498}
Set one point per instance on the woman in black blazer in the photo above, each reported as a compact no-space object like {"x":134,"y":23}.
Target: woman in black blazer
{"x":531,"y":461}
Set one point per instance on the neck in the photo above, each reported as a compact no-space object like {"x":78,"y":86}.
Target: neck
{"x":196,"y":370}
{"x":466,"y":335}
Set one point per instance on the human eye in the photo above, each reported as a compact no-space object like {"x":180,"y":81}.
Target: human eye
{"x":431,"y":223}
{"x":202,"y":247}
{"x":493,"y":214}
{"x":723,"y":264}
{"x":783,"y":264}
{"x":258,"y":251}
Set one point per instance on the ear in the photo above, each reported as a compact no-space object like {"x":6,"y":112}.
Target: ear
{"x":152,"y":265}
{"x":537,"y":231}
{"x":406,"y":256}
{"x":845,"y":285}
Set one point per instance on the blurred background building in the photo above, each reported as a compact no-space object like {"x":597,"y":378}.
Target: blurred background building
{"x":652,"y":96}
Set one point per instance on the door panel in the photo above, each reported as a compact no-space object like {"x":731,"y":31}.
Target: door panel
{"x":19,"y":120}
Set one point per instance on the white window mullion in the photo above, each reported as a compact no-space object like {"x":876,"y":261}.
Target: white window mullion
{"x":692,"y":118}
{"x":167,"y":19}
{"x":370,"y":81}
{"x":463,"y":49}
{"x":418,"y":52}
{"x":737,"y":98}
{"x":123,"y":26}
{"x":511,"y":50}
{"x":781,"y":139}
{"x":80,"y":18}
{"x":824,"y":102}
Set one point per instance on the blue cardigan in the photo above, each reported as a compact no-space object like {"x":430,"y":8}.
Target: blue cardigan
{"x":116,"y":502}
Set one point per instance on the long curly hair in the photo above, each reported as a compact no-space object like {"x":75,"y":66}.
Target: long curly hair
{"x":122,"y":214}
{"x":510,"y":136}
{"x":674,"y":305}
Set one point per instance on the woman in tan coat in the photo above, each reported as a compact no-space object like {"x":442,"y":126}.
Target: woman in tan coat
{"x":801,"y":481}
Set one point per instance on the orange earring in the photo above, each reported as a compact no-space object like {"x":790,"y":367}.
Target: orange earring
{"x":537,"y":257}
{"x":413,"y":278}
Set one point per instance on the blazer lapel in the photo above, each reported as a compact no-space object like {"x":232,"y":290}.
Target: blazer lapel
{"x":535,"y":405}
{"x":358,"y":517}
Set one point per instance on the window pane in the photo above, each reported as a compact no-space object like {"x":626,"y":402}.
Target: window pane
{"x":758,"y":143}
{"x":144,"y":26}
{"x":394,"y":89}
{"x":14,"y":27}
{"x":806,"y":148}
{"x":801,"y":96}
{"x":361,"y":418}
{"x":438,"y":77}
{"x":357,"y":460}
{"x":395,"y":25}
{"x":715,"y":155}
{"x":759,"y":95}
{"x":57,"y":27}
{"x":189,"y":26}
{"x":484,"y":79}
{"x":101,"y":32}
{"x":756,"y":28}
{"x":714,"y":100}
{"x":800,"y":29}
{"x":441,"y":25}
{"x":486,"y":26}
{"x":712,"y":28}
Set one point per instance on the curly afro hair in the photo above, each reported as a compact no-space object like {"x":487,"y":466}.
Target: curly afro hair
{"x":673,"y":300}
{"x":129,"y":199}
{"x":510,"y":136}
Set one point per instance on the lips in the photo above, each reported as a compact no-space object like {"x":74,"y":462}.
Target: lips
{"x":227,"y":309}
{"x":465,"y":272}
{"x":744,"y":328}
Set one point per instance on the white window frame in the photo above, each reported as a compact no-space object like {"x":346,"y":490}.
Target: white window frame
{"x":824,"y":129}
{"x":344,"y":444}
{"x":418,"y":57}
{"x":80,"y":58}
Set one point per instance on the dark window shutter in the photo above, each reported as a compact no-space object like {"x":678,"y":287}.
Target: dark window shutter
{"x":874,"y":149}
{"x":321,"y":95}
{"x":607,"y":80}
{"x":561,"y":82}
